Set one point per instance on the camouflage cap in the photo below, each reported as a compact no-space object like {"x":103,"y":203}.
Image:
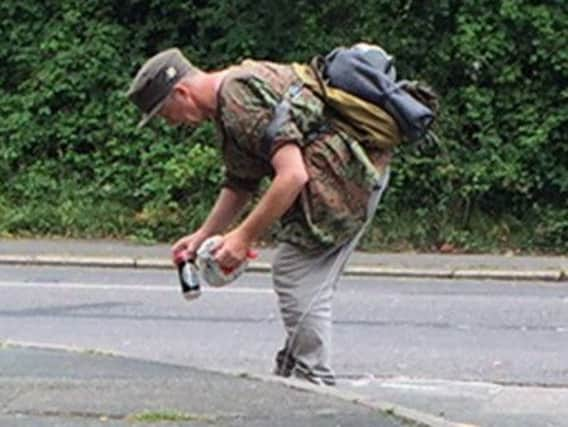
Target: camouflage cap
{"x":155,"y":80}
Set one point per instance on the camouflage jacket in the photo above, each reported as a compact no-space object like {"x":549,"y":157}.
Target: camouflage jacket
{"x":332,"y":206}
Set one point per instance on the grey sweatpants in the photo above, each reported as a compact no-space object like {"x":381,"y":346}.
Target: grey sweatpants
{"x":304,"y":284}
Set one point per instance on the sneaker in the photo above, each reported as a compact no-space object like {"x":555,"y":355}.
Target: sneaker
{"x":284,"y":363}
{"x":300,"y":374}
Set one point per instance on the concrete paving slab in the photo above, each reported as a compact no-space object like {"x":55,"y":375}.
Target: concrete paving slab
{"x":544,"y":275}
{"x":468,"y":402}
{"x":159,"y":263}
{"x":47,"y":420}
{"x":370,"y":270}
{"x":20,"y":259}
{"x":47,"y":387}
{"x":81,"y":260}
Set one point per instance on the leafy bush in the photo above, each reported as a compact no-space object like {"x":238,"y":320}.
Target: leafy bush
{"x":73,"y":163}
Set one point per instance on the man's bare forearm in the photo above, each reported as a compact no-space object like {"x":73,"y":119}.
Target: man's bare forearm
{"x":228,"y":205}
{"x":273,"y":204}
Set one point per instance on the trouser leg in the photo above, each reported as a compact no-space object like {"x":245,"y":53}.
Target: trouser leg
{"x":305,"y":284}
{"x":305,"y":292}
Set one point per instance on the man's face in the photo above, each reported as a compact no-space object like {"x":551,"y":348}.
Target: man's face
{"x":179,"y":109}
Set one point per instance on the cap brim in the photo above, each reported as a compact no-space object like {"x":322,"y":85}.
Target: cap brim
{"x":146,"y":117}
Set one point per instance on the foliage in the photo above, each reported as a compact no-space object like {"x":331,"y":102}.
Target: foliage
{"x":73,"y":163}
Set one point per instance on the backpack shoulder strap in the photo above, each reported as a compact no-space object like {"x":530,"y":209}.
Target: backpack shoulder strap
{"x":279,"y":117}
{"x":311,"y":75}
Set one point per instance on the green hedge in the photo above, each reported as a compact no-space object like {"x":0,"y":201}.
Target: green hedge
{"x":72,"y":162}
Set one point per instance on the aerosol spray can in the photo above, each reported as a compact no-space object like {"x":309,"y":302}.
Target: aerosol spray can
{"x":189,"y":280}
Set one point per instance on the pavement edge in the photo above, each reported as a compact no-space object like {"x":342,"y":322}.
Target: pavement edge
{"x":559,"y":275}
{"x":389,"y":408}
{"x":421,"y":419}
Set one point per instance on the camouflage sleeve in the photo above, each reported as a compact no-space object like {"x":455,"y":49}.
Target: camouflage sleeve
{"x":239,"y":184}
{"x":303,"y":121}
{"x":249,"y":107}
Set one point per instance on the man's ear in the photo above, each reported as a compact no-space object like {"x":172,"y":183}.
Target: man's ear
{"x":180,"y":88}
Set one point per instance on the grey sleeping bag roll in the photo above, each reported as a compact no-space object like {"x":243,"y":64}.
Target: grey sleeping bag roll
{"x":367,"y":72}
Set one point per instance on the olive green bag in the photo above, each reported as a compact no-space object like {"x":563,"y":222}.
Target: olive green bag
{"x":367,"y":122}
{"x":359,"y":85}
{"x":359,"y":88}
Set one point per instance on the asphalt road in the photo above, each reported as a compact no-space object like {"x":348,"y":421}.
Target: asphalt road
{"x":513,"y":334}
{"x":459,"y":330}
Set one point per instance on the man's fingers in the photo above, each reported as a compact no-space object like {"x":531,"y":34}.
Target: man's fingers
{"x":221,"y":256}
{"x":178,"y":247}
{"x":225,"y":259}
{"x":181,"y":251}
{"x":179,"y":257}
{"x":217,"y":246}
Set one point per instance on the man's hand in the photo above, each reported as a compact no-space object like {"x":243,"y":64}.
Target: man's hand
{"x":186,"y":247}
{"x":291,"y":177}
{"x":232,"y":250}
{"x":228,"y":205}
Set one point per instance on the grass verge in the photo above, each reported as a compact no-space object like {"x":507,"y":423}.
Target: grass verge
{"x":168,"y":416}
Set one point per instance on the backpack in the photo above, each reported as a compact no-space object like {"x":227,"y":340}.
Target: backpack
{"x":359,"y":85}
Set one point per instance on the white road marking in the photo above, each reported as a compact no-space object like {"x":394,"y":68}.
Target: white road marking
{"x":119,"y":287}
